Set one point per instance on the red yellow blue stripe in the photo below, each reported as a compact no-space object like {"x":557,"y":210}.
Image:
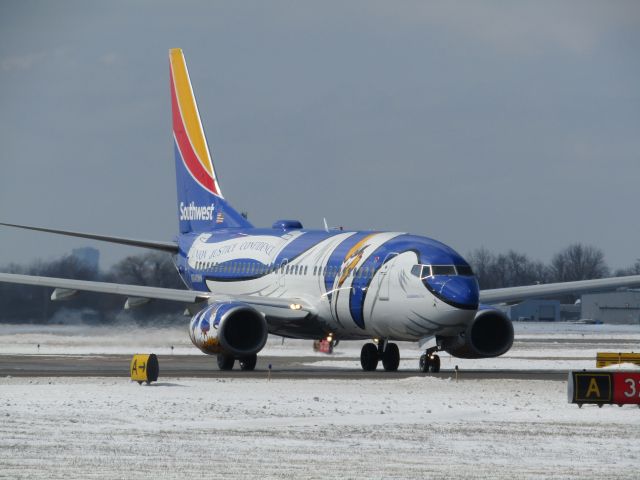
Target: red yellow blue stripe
{"x":187,"y":128}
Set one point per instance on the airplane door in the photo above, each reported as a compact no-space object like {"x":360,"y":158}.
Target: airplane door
{"x":383,"y":285}
{"x":281,"y":273}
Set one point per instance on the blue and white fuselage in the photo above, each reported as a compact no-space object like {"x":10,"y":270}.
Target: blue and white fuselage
{"x":385,"y":285}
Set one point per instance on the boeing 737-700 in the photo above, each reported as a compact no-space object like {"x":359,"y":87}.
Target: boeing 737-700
{"x":246,"y":282}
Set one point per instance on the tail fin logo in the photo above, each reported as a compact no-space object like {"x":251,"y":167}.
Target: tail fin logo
{"x":188,"y":133}
{"x":194,"y":212}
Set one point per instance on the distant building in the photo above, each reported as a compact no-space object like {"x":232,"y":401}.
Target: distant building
{"x":534,"y":311}
{"x":570,"y":312}
{"x":612,"y":307}
{"x":88,"y":255}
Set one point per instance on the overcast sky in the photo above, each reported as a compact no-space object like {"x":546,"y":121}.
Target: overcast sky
{"x":496,"y":124}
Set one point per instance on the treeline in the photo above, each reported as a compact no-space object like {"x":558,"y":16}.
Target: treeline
{"x":514,"y":269}
{"x":23,"y":303}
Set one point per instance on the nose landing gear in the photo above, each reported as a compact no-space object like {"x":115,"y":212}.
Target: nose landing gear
{"x":429,"y":361}
{"x":371,"y":354}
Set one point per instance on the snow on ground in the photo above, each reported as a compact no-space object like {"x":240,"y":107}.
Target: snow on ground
{"x":420,"y":427}
{"x":538,"y":346}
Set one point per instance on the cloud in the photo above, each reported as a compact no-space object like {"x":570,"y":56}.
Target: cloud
{"x":21,"y":62}
{"x":575,"y":27}
{"x":110,"y":58}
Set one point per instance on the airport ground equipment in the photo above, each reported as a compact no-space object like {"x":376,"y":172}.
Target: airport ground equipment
{"x":620,"y":387}
{"x":144,"y":368}
{"x":605,"y":359}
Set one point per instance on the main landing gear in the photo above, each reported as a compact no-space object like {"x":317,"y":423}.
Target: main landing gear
{"x":371,"y":354}
{"x":429,"y":361}
{"x":248,"y":363}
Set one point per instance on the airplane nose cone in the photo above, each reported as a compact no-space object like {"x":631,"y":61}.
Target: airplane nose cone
{"x":458,"y":291}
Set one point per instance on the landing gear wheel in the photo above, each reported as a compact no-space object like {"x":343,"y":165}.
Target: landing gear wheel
{"x":435,"y":364}
{"x":225,"y":362}
{"x":424,"y":363}
{"x":369,"y":357}
{"x":248,"y":363}
{"x":391,"y":357}
{"x":429,"y":361}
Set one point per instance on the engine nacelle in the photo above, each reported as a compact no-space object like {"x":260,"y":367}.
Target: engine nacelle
{"x":231,"y":328}
{"x":490,"y":334}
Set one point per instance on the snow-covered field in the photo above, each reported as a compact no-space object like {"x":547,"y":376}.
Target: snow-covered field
{"x":418,"y":427}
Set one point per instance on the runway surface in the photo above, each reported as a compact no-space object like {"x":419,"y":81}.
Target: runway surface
{"x":191,"y":366}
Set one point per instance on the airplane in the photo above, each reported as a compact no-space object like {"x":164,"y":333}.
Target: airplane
{"x":245,"y":283}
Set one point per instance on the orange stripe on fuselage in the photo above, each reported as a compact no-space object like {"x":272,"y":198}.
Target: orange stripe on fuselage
{"x":189,"y":111}
{"x":352,"y":258}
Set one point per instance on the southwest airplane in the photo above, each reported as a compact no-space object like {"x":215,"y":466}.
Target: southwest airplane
{"x":246,"y":282}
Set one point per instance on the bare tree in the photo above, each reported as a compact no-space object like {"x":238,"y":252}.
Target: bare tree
{"x":482,"y":262}
{"x":153,"y":269}
{"x":578,"y":262}
{"x":632,"y":270}
{"x":506,"y":270}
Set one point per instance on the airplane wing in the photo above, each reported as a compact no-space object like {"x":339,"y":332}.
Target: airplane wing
{"x":156,"y":293}
{"x":171,"y":247}
{"x":282,"y":308}
{"x":518,"y":294}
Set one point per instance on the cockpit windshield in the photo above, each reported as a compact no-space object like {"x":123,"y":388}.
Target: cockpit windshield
{"x":424,"y":271}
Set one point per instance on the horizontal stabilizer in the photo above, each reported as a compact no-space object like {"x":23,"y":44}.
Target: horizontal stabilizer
{"x":170,"y":247}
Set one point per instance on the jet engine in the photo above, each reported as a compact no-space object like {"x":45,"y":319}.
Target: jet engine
{"x":230,"y":328}
{"x":490,"y":334}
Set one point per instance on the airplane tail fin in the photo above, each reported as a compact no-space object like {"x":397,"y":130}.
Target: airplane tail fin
{"x":201,"y":206}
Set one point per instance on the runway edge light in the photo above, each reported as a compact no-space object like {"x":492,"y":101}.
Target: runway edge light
{"x":144,"y":368}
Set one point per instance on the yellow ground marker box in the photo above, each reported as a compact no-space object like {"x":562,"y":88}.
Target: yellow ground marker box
{"x":144,"y":368}
{"x":604,"y":359}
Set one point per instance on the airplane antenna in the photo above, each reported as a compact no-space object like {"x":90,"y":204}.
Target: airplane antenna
{"x":326,"y":227}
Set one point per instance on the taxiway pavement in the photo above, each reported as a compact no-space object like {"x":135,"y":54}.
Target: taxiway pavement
{"x":205,"y":367}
